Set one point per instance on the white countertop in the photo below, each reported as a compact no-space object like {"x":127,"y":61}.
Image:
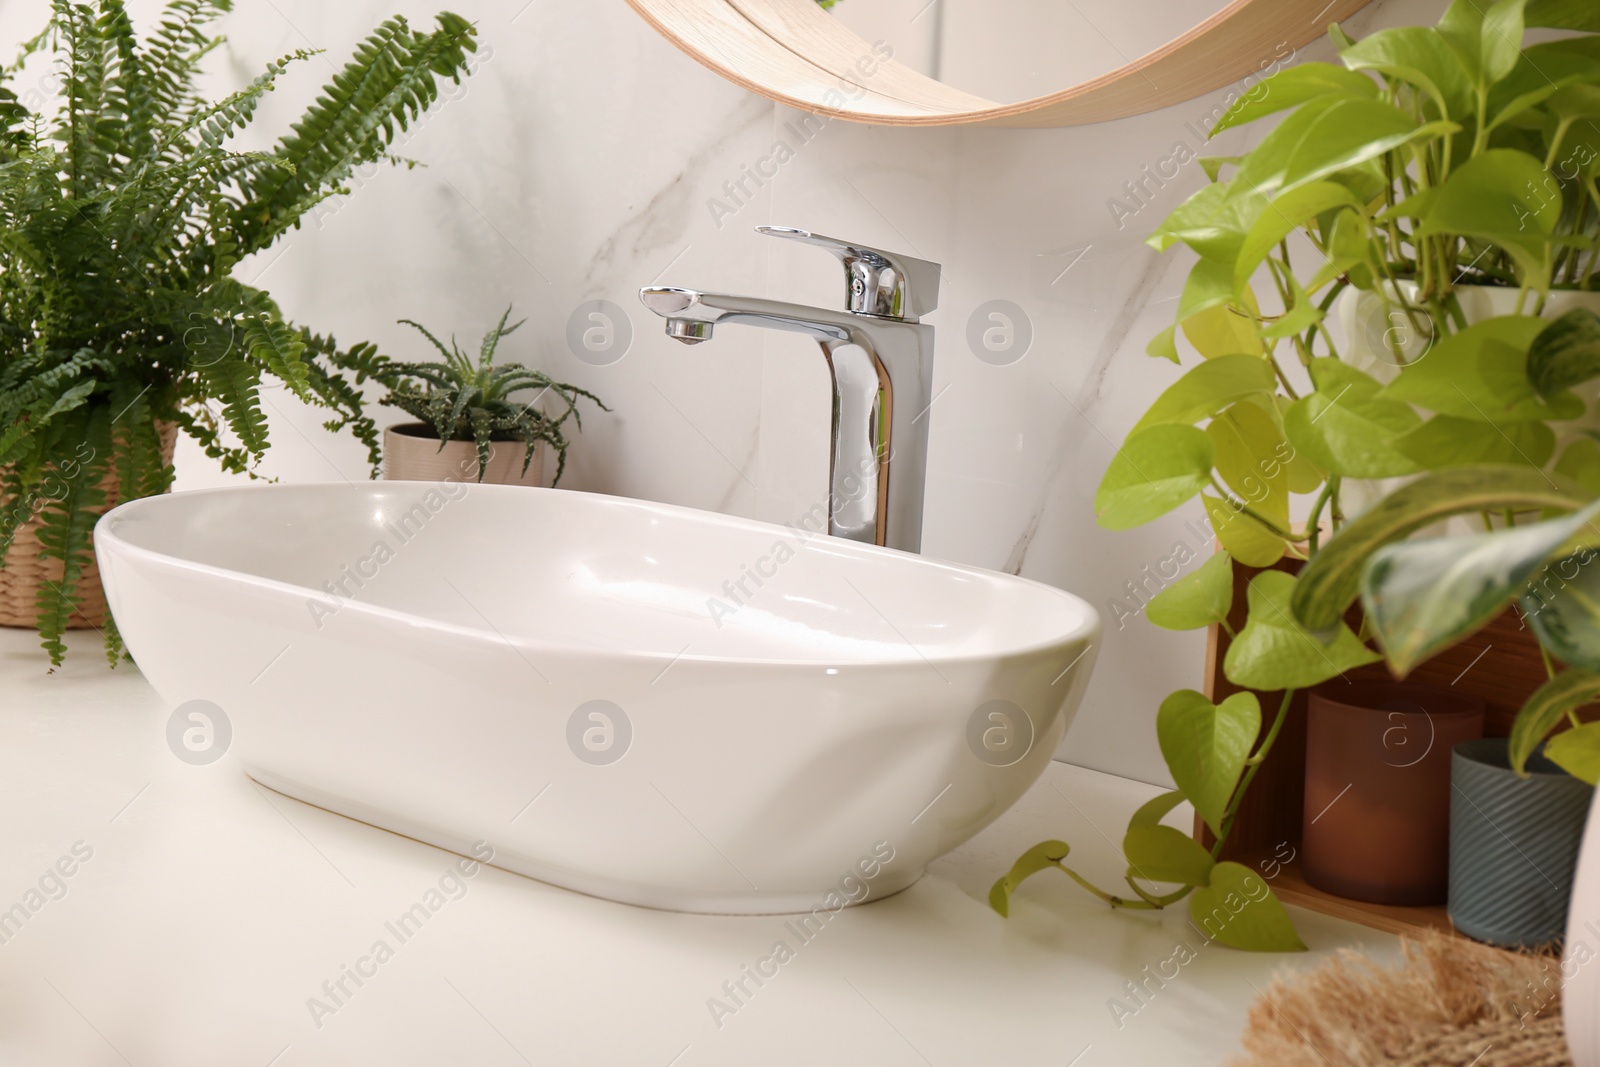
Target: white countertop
{"x":212,"y":910}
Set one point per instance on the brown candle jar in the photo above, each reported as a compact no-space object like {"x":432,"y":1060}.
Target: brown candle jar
{"x":1377,"y":799}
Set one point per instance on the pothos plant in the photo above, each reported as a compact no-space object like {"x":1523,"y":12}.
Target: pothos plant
{"x":125,"y":206}
{"x":1427,"y":160}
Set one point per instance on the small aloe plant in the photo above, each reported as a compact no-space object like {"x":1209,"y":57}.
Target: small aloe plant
{"x":464,"y":399}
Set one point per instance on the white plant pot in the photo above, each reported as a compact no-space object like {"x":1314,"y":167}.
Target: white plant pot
{"x":411,"y":453}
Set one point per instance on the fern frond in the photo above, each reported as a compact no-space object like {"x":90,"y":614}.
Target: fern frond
{"x":141,"y":468}
{"x":335,"y":392}
{"x":28,"y":48}
{"x":216,"y":123}
{"x":116,"y":652}
{"x":278,"y":346}
{"x":200,"y":425}
{"x":172,"y":53}
{"x":363,"y":360}
{"x":236,"y":383}
{"x":65,"y":530}
{"x":391,"y":81}
{"x":14,"y":136}
{"x":84,"y":92}
{"x":44,"y":393}
{"x":14,"y":440}
{"x":124,"y":130}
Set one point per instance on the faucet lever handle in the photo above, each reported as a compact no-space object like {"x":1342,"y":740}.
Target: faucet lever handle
{"x":884,"y":284}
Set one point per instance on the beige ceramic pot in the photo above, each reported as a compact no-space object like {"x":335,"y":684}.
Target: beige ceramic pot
{"x":411,"y":453}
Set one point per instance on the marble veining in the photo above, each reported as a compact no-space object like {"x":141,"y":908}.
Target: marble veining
{"x":663,"y":222}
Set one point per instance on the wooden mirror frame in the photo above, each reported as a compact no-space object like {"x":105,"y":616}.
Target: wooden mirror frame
{"x":794,"y":52}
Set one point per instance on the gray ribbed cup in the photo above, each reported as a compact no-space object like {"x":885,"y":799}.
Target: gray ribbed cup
{"x":1513,"y":845}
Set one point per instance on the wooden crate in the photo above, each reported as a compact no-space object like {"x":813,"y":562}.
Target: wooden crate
{"x":1500,"y":664}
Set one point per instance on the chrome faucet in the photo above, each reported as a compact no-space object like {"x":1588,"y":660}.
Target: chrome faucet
{"x":881,"y":361}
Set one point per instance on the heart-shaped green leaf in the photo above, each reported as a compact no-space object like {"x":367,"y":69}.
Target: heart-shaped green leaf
{"x":1245,"y":539}
{"x":1162,"y":854}
{"x":1213,"y":222}
{"x":1350,"y":252}
{"x":1292,"y":87}
{"x":1248,"y":454}
{"x":1263,"y":169}
{"x":1487,"y":40}
{"x":1154,"y":471}
{"x":1155,"y":809}
{"x":1207,"y":389}
{"x":1205,"y":746}
{"x":1301,"y":312}
{"x":1346,"y":427}
{"x":1274,"y":651}
{"x":1416,"y":55}
{"x":1576,"y":100}
{"x":1345,"y":135}
{"x":1564,"y":14}
{"x":1332,"y":580}
{"x":1213,"y":165}
{"x":1424,"y":596}
{"x":1044,"y":854}
{"x":1200,"y":598}
{"x":1501,"y":38}
{"x":1164,"y":345}
{"x":1581,"y":463}
{"x":1193,"y":219}
{"x":1565,"y":353}
{"x":1495,"y":196}
{"x":1562,"y":604}
{"x":1549,"y":703}
{"x":1482,"y":373}
{"x":1225,"y":330}
{"x":1241,"y":911}
{"x":1577,"y":751}
{"x":1289,"y":212}
{"x":1209,"y":285}
{"x":1446,"y":441}
{"x":1304,"y":477}
{"x":1529,"y":85}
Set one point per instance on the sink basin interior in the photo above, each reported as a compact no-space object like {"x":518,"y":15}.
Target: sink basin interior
{"x":603,"y":573}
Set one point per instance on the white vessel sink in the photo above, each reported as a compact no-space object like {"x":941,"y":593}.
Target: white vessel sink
{"x":648,"y":703}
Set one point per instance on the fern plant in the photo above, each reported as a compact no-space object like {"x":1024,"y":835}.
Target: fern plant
{"x":467,"y":400}
{"x":124,"y":208}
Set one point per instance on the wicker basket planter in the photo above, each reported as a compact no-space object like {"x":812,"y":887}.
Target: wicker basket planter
{"x":26,"y":570}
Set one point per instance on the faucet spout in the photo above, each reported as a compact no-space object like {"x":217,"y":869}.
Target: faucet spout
{"x":881,"y":368}
{"x":684,"y":308}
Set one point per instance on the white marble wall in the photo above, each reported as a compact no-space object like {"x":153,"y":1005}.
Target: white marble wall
{"x":584,"y":159}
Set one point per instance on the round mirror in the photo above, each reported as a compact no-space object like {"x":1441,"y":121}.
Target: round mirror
{"x":991,"y":62}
